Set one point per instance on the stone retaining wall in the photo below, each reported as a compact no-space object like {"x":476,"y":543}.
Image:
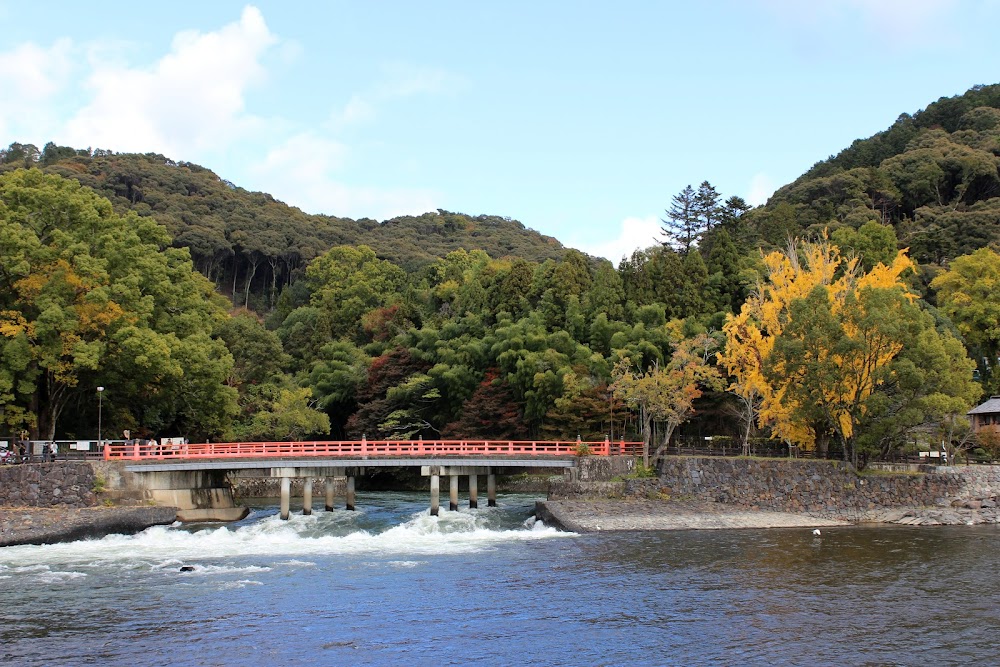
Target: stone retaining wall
{"x":63,"y":484}
{"x":822,"y":487}
{"x":827,"y":488}
{"x":979,"y":481}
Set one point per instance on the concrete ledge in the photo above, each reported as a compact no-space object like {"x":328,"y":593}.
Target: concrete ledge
{"x":48,"y":526}
{"x":212,"y":514}
{"x":586,"y":516}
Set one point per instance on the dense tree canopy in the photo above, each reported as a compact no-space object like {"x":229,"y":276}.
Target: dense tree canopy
{"x":210,"y":311}
{"x":90,"y":298}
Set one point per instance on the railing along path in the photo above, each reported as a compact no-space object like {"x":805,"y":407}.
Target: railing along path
{"x":370,"y":448}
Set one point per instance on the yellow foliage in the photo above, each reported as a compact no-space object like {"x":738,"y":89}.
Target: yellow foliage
{"x":751,"y":334}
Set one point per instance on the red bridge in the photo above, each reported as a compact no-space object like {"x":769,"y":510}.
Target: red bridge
{"x":368,"y":449}
{"x":192,"y":477}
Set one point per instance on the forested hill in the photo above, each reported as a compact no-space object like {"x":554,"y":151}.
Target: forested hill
{"x":932,"y":175}
{"x":252,"y":243}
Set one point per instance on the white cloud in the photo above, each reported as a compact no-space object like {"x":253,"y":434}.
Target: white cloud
{"x":306,"y":170}
{"x":761,"y":188}
{"x":188,"y":102}
{"x":900,"y":23}
{"x":303,"y":172}
{"x":399,"y":80}
{"x":191,"y":104}
{"x":30,"y":76}
{"x":634,"y":234}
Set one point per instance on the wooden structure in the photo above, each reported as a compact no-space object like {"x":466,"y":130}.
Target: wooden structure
{"x":986,"y":415}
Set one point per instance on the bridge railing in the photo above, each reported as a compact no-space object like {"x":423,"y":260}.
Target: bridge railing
{"x":369,"y":448}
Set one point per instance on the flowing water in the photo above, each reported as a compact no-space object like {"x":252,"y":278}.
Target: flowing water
{"x":390,"y":585}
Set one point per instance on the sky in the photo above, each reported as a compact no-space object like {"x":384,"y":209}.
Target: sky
{"x":580,"y":119}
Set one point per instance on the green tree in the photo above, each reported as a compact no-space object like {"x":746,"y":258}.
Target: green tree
{"x":283,"y":414}
{"x":347,"y":282}
{"x":707,"y":206}
{"x":874,"y":243}
{"x":606,"y":295}
{"x":90,"y":297}
{"x":666,"y":395}
{"x":682,"y":227}
{"x":969,"y":293}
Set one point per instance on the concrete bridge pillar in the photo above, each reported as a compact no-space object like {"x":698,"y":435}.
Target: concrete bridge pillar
{"x":350,"y":492}
{"x":435,"y":492}
{"x":491,"y":490}
{"x":474,"y":491}
{"x":307,"y":496}
{"x":286,"y":497}
{"x":453,"y":496}
{"x":329,"y":494}
{"x":198,"y":495}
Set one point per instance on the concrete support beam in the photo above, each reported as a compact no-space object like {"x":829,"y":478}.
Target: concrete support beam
{"x":453,"y":495}
{"x":435,"y":493}
{"x":307,"y":472}
{"x":473,"y":491}
{"x":329,"y":494}
{"x":286,"y":497}
{"x":350,"y":492}
{"x":491,"y":490}
{"x":307,"y":496}
{"x":427,"y":471}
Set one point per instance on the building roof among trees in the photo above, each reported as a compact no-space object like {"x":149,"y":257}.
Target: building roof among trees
{"x":989,"y":407}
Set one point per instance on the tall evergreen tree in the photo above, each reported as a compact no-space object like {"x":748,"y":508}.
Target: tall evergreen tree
{"x":707,"y":207}
{"x":682,"y":228}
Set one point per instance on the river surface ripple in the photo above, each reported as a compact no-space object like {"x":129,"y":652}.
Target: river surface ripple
{"x":390,"y":585}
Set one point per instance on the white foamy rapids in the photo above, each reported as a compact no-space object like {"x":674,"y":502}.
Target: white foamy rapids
{"x":169,"y":547}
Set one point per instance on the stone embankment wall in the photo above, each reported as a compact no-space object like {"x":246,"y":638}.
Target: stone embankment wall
{"x":64,"y":484}
{"x":979,"y":481}
{"x":826,"y":488}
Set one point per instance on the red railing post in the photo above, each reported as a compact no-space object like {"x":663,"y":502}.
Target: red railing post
{"x":107,"y":452}
{"x":607,"y":446}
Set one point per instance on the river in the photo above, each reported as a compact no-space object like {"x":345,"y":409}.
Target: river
{"x":390,"y":585}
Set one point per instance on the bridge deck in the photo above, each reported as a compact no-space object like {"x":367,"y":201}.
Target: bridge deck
{"x":152,"y":465}
{"x":367,"y":450}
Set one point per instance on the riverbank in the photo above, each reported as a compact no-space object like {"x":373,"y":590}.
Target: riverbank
{"x":48,"y":525}
{"x":586,"y":516}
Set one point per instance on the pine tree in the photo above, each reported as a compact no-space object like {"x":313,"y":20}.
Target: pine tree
{"x":682,"y":227}
{"x":707,"y":207}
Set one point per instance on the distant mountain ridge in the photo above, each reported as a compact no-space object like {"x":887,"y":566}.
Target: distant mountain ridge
{"x":934,"y":176}
{"x":250,"y":241}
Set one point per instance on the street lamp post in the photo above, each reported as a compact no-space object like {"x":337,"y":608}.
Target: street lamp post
{"x":100,"y":393}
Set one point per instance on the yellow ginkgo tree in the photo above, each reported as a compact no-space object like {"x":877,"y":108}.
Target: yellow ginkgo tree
{"x":817,"y":339}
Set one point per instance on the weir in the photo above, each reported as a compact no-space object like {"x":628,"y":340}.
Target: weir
{"x":201,"y":491}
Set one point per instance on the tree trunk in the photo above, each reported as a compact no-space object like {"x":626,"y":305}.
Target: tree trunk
{"x":646,"y":435}
{"x":273,"y":261}
{"x":668,"y":432}
{"x":253,"y":271}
